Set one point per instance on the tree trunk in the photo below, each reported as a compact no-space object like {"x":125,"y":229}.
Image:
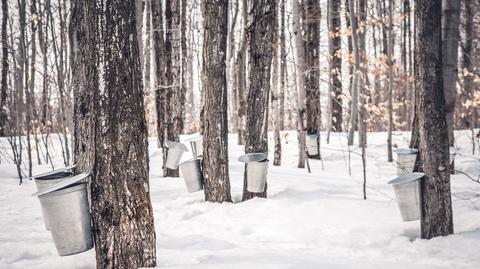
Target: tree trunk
{"x":276,"y":85}
{"x":312,"y":74}
{"x":5,"y":67}
{"x":215,"y":136}
{"x":283,"y":66}
{"x":261,"y":38}
{"x":467,"y":63}
{"x":300,"y":73}
{"x":390,"y":81}
{"x":160,"y":75}
{"x":172,"y":67}
{"x":115,"y":152}
{"x":335,"y":49}
{"x":240,"y":77}
{"x":356,"y":71}
{"x":437,"y":219}
{"x":450,"y":37}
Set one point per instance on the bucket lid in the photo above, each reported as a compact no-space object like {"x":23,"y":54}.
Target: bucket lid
{"x":404,"y":151}
{"x":252,"y":157}
{"x":406,"y":178}
{"x":176,"y":145}
{"x":65,"y":183}
{"x":194,"y":137}
{"x":54,"y":171}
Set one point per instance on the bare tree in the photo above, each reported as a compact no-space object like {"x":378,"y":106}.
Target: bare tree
{"x":111,"y":133}
{"x":335,"y":47}
{"x":299,"y":53}
{"x":5,"y":68}
{"x":215,"y":139}
{"x":437,"y":218}
{"x":261,"y":38}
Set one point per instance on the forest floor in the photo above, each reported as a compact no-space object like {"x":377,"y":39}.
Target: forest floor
{"x":316,"y":220}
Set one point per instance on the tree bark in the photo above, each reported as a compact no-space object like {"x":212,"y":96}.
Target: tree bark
{"x":240,"y":77}
{"x":261,"y":39}
{"x":450,"y":37}
{"x":111,"y":133}
{"x":335,"y":49}
{"x":215,"y":136}
{"x":299,"y":54}
{"x":437,"y":219}
{"x":390,"y":81}
{"x":5,"y":68}
{"x":356,"y":72}
{"x":312,"y":74}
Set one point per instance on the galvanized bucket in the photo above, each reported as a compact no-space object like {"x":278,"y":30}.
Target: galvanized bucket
{"x":66,"y":208}
{"x":257,"y":169}
{"x":44,"y":181}
{"x":197,"y":148}
{"x":312,"y":145}
{"x":174,"y":154}
{"x":192,"y":174}
{"x":196,"y":142}
{"x":405,"y":160}
{"x":407,"y":191}
{"x":452,"y":152}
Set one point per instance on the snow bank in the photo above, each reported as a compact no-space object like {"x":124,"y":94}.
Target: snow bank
{"x":316,"y":220}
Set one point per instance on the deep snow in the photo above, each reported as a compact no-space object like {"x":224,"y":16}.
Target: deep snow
{"x":316,"y":220}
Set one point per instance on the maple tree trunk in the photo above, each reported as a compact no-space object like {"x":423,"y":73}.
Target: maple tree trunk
{"x":437,"y":219}
{"x":215,"y":132}
{"x":261,"y":39}
{"x":115,"y":153}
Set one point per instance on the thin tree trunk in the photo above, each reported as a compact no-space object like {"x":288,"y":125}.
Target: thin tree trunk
{"x":390,"y":81}
{"x":312,"y":72}
{"x":240,"y":77}
{"x":261,"y":38}
{"x":299,"y":45}
{"x":283,"y":66}
{"x":437,"y":219}
{"x":335,"y":47}
{"x":160,"y":75}
{"x":276,"y":85}
{"x":356,"y":73}
{"x":450,"y":37}
{"x":5,"y":68}
{"x":215,"y":138}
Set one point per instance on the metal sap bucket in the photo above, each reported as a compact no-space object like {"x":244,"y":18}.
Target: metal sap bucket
{"x":312,"y":145}
{"x":405,"y":160}
{"x":257,"y":168}
{"x":196,"y":143}
{"x":174,"y":154}
{"x":452,"y":152}
{"x":192,"y":175}
{"x":66,"y":207}
{"x":407,"y":191}
{"x":46,"y":180}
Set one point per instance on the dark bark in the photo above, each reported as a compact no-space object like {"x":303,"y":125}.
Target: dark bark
{"x":467,"y":63}
{"x":240,"y":77}
{"x":261,"y":38}
{"x":215,"y":136}
{"x":437,"y":219}
{"x":159,"y":48}
{"x":312,"y":70}
{"x":283,"y":66}
{"x":111,"y":133}
{"x":5,"y":67}
{"x":172,"y":72}
{"x":335,"y":47}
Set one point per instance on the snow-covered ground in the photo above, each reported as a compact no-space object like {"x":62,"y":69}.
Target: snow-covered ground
{"x":316,"y":220}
